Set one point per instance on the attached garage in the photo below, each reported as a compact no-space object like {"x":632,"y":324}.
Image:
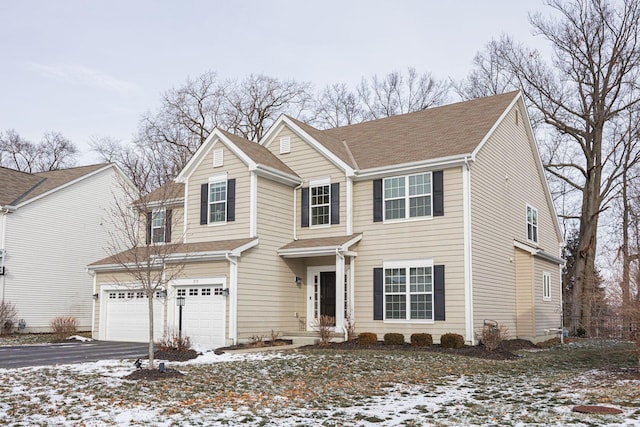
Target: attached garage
{"x":126,"y":316}
{"x":203,"y":314}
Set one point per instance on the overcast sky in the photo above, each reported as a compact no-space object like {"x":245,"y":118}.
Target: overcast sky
{"x":91,"y":68}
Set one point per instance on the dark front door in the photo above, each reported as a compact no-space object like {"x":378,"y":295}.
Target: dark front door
{"x":328,"y":293}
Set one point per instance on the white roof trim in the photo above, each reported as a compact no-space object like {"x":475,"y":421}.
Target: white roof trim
{"x":320,"y":250}
{"x":277,"y":175}
{"x":198,"y":157}
{"x":70,"y":183}
{"x":406,"y":168}
{"x":538,"y":252}
{"x":495,"y":125}
{"x":267,"y":140}
{"x":211,"y":255}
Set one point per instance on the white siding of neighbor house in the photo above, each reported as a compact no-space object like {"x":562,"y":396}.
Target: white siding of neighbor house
{"x":268,"y":297}
{"x":233,"y":167}
{"x":49,"y":243}
{"x":311,"y":165}
{"x":440,"y":238}
{"x":504,"y":179}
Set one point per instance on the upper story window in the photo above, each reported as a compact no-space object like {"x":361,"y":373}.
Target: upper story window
{"x":532,"y":224}
{"x":158,"y":218}
{"x":407,"y":197}
{"x":320,"y":204}
{"x":217,"y":201}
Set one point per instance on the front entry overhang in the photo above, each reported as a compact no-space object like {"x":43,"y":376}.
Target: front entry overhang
{"x":324,"y":246}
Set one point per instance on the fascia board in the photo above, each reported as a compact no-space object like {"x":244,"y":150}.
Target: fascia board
{"x":237,"y":251}
{"x":413,"y":167}
{"x":276,"y":175}
{"x":348,"y":170}
{"x":307,"y":252}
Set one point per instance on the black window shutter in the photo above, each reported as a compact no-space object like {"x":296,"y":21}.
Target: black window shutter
{"x":377,"y":200}
{"x":378,"y":294}
{"x":149,"y":219}
{"x":438,"y":194}
{"x":167,"y":225}
{"x":204,"y":202}
{"x":231,"y":199}
{"x":304,"y":209}
{"x":335,"y":203}
{"x":438,"y":292}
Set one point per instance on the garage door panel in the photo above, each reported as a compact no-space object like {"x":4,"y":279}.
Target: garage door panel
{"x":127,"y":315}
{"x":203,"y":315}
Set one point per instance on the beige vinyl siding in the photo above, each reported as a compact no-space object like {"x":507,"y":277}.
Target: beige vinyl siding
{"x":234,"y":168}
{"x":268,"y":296}
{"x":500,"y":192}
{"x":311,"y":165}
{"x":547,"y":312}
{"x":525,"y":320}
{"x":440,"y":238}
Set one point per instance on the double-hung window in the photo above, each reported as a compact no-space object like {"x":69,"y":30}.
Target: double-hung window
{"x":158,"y":218}
{"x":320,"y":204}
{"x":532,"y":224}
{"x":407,"y":197}
{"x":408,"y":291}
{"x":217,"y":201}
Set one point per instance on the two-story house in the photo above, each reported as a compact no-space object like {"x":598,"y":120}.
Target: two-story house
{"x":52,"y":224}
{"x":432,"y":221}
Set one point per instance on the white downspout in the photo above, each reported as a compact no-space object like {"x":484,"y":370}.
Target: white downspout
{"x":295,"y":207}
{"x":95,"y":301}
{"x":468,"y":276}
{"x":3,"y":233}
{"x":340,"y":291}
{"x":233,"y":295}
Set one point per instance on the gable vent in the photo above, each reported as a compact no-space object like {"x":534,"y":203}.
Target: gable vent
{"x":285,"y":145}
{"x":217,"y":158}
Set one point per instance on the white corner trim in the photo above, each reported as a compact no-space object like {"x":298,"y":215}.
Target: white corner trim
{"x":253,"y":204}
{"x":468,"y":266}
{"x":349,"y":211}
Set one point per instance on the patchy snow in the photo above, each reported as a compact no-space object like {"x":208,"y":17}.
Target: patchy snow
{"x":313,"y":389}
{"x":79,"y":338}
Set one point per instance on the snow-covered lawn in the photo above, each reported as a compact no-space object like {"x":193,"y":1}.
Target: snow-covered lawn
{"x":329,"y":388}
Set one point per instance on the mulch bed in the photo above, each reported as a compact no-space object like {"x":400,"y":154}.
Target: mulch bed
{"x":257,"y":344}
{"x":176,"y":355}
{"x":153,"y":374}
{"x":503,"y":353}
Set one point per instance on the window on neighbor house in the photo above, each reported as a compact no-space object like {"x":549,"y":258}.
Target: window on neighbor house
{"x":158,"y":218}
{"x":532,"y":224}
{"x":408,"y":293}
{"x":407,"y":196}
{"x":217,"y":201}
{"x":320,"y":204}
{"x":546,"y":286}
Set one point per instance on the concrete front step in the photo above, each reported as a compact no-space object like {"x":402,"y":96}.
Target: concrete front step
{"x":308,"y":338}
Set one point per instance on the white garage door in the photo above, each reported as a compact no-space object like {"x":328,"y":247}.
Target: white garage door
{"x":127,"y":316}
{"x":203,"y":315}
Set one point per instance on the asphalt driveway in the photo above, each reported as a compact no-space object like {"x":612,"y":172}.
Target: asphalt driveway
{"x":69,"y":352}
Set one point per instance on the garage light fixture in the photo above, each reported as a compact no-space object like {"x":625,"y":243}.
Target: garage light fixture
{"x":180,"y":301}
{"x":95,"y":296}
{"x":225,"y":292}
{"x":298,"y":280}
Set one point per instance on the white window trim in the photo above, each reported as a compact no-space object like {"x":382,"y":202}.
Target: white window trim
{"x":546,"y":286}
{"x":319,"y":183}
{"x":407,"y":264}
{"x":163,"y":226}
{"x":537,"y":225}
{"x":216,"y":179}
{"x":407,"y":199}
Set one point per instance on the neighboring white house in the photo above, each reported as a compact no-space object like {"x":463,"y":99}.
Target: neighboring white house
{"x":51,"y":226}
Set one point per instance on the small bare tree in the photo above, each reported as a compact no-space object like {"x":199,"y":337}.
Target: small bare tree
{"x":8,"y":314}
{"x":146,"y":243}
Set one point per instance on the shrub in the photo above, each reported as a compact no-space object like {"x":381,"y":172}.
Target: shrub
{"x":174,"y":342}
{"x":366,"y":338}
{"x":450,"y":340}
{"x":393,"y":339}
{"x":8,"y":314}
{"x":323,"y":327}
{"x":493,"y":335}
{"x":421,"y":340}
{"x":64,"y":326}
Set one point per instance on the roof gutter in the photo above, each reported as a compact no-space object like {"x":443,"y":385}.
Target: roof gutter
{"x":442,"y":162}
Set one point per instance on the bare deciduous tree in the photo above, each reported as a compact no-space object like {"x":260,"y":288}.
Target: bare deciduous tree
{"x":489,"y":76}
{"x":338,"y":106}
{"x":591,"y":82}
{"x":52,"y":153}
{"x":146,"y":254}
{"x":397,"y":93}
